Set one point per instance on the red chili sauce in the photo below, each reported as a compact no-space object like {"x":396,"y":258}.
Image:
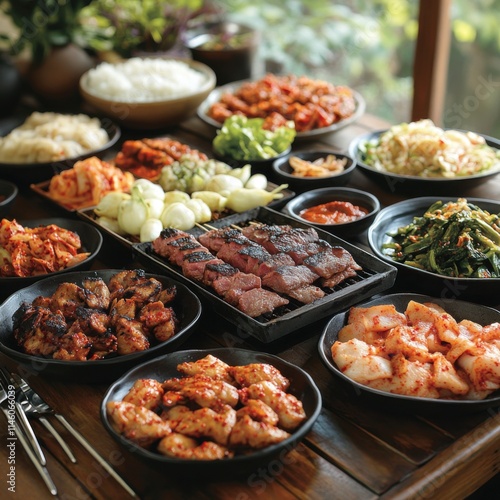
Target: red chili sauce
{"x":333,"y":212}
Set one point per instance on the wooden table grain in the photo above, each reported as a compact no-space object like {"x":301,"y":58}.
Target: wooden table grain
{"x":356,"y":449}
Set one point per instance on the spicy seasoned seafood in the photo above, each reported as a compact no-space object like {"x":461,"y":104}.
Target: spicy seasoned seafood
{"x":26,"y":251}
{"x":424,"y":352}
{"x":309,"y":103}
{"x":87,"y":182}
{"x":216,"y":411}
{"x":96,"y":320}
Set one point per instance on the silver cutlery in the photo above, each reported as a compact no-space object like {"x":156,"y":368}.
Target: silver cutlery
{"x":21,"y":415}
{"x":42,"y":470}
{"x":39,"y":406}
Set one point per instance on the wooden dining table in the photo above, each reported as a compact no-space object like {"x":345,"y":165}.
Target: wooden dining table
{"x":357,"y":448}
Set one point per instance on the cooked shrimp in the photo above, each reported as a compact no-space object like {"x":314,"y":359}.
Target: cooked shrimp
{"x":288,"y":408}
{"x":145,"y":392}
{"x":209,"y":366}
{"x":251,"y":433}
{"x":257,"y":372}
{"x":180,"y":446}
{"x":137,"y":423}
{"x":203,"y":390}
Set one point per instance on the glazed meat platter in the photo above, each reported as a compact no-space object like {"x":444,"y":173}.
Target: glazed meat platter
{"x":372,"y":276}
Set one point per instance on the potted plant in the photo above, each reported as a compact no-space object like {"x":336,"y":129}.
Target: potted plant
{"x":129,"y":27}
{"x":49,"y":34}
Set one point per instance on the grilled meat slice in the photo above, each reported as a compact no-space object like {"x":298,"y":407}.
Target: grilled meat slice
{"x":288,"y":278}
{"x":259,"y":301}
{"x":306,"y":294}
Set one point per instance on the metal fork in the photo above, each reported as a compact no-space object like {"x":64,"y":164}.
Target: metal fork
{"x":43,"y":408}
{"x":37,"y":412}
{"x":44,"y":473}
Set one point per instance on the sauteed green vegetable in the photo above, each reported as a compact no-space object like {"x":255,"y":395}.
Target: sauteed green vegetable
{"x":456,"y":239}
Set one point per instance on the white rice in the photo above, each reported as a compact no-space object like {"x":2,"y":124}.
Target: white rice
{"x":143,"y":80}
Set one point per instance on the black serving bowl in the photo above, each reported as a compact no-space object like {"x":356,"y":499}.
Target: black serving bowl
{"x":259,"y":165}
{"x":283,"y":171}
{"x":8,"y":193}
{"x":91,"y":239}
{"x":325,"y":195}
{"x":186,"y":306}
{"x":28,"y":173}
{"x":301,"y":385}
{"x":459,"y":309}
{"x":411,"y":184}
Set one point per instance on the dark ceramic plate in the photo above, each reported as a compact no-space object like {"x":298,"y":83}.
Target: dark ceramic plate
{"x":27,"y":173}
{"x":216,"y":94}
{"x":187,"y":307}
{"x":374,"y":277}
{"x":410,"y":183}
{"x":301,"y":385}
{"x":8,"y":193}
{"x":401,"y":214}
{"x":91,"y":240}
{"x":458,"y":309}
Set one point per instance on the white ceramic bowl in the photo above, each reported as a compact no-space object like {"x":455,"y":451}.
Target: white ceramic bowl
{"x":152,"y":114}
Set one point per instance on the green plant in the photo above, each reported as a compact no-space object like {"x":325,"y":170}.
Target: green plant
{"x":126,"y":26}
{"x":42,"y":24}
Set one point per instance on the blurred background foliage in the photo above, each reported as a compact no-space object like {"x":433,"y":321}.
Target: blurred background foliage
{"x":369,"y":45}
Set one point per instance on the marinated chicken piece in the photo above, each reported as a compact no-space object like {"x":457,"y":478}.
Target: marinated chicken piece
{"x":140,"y":425}
{"x":159,"y":319}
{"x":73,"y":346}
{"x":168,"y":294}
{"x":95,"y":293}
{"x":289,"y":409}
{"x":145,"y":392}
{"x":37,"y":329}
{"x":103,"y":345}
{"x":203,"y":422}
{"x":259,"y":411}
{"x":203,"y":390}
{"x":144,"y":292}
{"x":66,"y":299}
{"x":254,"y":434}
{"x":125,"y":279}
{"x":209,"y":366}
{"x":126,"y":308}
{"x":180,"y":446}
{"x":92,"y":322}
{"x":130,"y":336}
{"x":257,"y":372}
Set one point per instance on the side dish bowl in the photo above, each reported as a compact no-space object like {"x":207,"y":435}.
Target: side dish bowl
{"x":414,"y":184}
{"x":90,"y":237}
{"x":301,"y":385}
{"x":8,"y":194}
{"x":400,"y":214}
{"x":188,"y":311}
{"x":283,"y":171}
{"x":27,"y":173}
{"x":419,"y":405}
{"x":356,"y":197}
{"x":152,"y":114}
